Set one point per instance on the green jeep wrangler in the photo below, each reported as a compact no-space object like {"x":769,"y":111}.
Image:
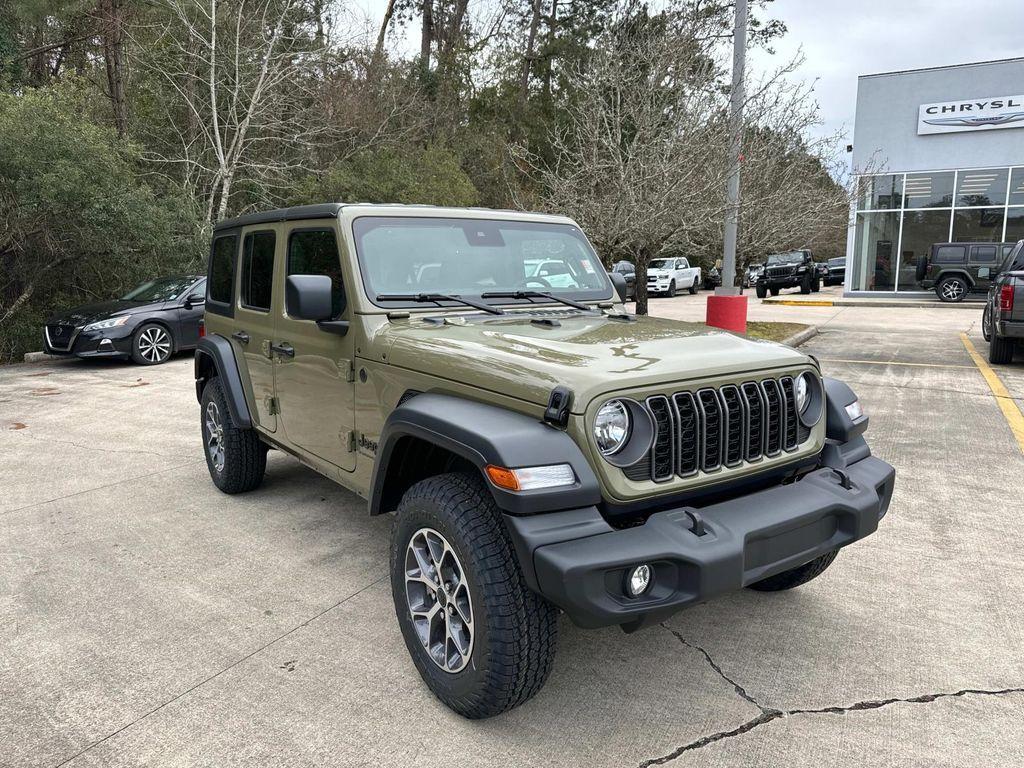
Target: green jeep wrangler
{"x":541,"y":449}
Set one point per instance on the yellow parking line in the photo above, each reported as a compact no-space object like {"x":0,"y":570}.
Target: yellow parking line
{"x":1007,"y":405}
{"x":892,"y":362}
{"x":797,"y":303}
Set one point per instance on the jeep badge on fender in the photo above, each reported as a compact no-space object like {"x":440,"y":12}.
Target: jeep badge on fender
{"x":541,"y":450}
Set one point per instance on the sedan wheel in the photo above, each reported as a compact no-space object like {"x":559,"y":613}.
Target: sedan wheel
{"x":152,"y":345}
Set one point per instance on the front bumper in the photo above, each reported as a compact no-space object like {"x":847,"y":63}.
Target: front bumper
{"x":580,"y":563}
{"x":658,"y":286}
{"x":113,"y":343}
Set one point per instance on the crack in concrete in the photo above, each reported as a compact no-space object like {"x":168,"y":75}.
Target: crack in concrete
{"x":769,"y":715}
{"x":92,"y":448}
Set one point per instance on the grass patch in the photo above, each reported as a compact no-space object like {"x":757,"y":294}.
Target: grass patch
{"x":773,"y":331}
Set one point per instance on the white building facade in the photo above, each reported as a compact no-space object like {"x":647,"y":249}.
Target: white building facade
{"x":944,"y":148}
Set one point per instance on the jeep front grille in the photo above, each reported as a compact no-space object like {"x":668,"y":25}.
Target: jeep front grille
{"x":710,"y":428}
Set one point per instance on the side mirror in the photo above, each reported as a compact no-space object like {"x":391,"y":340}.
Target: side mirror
{"x":619,"y":282}
{"x":195,"y":300}
{"x":308,"y":297}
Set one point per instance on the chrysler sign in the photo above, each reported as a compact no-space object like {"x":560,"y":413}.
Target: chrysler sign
{"x":971,"y":115}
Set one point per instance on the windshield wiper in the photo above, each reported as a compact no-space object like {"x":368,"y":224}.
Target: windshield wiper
{"x":437,"y":298}
{"x":533,"y":295}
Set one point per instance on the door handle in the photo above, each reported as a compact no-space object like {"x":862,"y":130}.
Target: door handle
{"x":284,"y":349}
{"x":241,"y":336}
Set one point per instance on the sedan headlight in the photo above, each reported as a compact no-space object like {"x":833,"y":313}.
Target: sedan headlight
{"x":611,"y":427}
{"x":103,"y":325}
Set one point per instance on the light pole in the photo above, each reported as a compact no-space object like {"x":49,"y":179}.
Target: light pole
{"x":728,"y":307}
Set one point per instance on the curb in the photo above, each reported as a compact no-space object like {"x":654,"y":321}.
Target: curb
{"x":40,"y":357}
{"x":799,"y":338}
{"x":895,"y":303}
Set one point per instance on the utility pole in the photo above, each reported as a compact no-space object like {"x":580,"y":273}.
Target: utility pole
{"x":728,"y":308}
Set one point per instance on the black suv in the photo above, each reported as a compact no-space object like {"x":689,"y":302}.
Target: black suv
{"x":954,"y":270}
{"x":793,"y":269}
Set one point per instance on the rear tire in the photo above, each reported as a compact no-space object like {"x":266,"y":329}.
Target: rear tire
{"x":951,"y":289}
{"x":1000,"y":349}
{"x":794,"y":577}
{"x":693,"y":288}
{"x":761,"y":291}
{"x":235,"y":456}
{"x":512,"y":631}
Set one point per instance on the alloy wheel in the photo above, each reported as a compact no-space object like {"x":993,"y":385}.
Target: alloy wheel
{"x":437,"y":593}
{"x":952,"y":290}
{"x":214,"y":436}
{"x":154,"y":344}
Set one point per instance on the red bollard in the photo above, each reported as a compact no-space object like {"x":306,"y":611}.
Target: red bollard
{"x":728,"y":312}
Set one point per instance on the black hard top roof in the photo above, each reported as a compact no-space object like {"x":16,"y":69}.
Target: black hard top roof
{"x":295,"y":213}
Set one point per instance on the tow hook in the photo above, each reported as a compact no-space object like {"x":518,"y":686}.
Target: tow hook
{"x":696,"y":521}
{"x":844,"y":479}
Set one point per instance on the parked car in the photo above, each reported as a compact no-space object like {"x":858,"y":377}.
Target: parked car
{"x":751,"y":274}
{"x":792,"y":269}
{"x":713,"y":279}
{"x":955,"y":270}
{"x":666,"y":276}
{"x":541,"y":449}
{"x":836,"y":271}
{"x":628,"y":272}
{"x":148,"y":324}
{"x":1002,"y":320}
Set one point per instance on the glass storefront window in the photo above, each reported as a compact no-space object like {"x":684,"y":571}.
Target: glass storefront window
{"x":921,"y":229}
{"x":883,"y":192}
{"x":985,"y":187}
{"x":978,"y":225}
{"x":1014,"y":224}
{"x":874,"y":251}
{"x":928,"y":190}
{"x":1017,"y":187}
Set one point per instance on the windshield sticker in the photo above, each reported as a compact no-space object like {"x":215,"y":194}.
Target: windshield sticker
{"x":587,"y":266}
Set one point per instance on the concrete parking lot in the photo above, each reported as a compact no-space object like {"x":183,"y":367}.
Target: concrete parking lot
{"x":148,"y":619}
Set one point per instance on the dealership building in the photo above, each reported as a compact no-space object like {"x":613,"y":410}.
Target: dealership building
{"x":941,"y":157}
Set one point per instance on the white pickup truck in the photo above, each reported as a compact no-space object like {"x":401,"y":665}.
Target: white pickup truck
{"x":670,"y":275}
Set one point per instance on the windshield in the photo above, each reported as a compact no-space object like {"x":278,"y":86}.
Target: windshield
{"x":786,"y":258}
{"x":662,"y":264}
{"x":468,"y":257}
{"x":164,"y":289}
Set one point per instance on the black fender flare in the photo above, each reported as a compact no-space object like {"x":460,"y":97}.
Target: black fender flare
{"x":216,"y":350}
{"x":966,"y":276}
{"x":486,"y":434}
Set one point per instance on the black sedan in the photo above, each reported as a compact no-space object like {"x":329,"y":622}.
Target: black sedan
{"x":147,"y":325}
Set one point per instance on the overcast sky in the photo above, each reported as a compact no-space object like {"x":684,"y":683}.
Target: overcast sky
{"x":842,"y":39}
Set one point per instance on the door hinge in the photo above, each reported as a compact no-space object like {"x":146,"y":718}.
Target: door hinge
{"x":347,"y":368}
{"x":350,"y":440}
{"x":273,"y":407}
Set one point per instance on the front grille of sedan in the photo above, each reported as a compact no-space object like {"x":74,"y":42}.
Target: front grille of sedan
{"x":60,"y":337}
{"x":705,"y":430}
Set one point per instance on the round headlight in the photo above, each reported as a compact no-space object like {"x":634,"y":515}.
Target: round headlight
{"x":611,"y":427}
{"x":803,"y":389}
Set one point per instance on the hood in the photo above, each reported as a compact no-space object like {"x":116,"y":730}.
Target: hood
{"x":91,"y":313}
{"x":591,"y":354}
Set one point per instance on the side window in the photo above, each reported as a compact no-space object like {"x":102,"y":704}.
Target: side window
{"x":984,"y":253}
{"x":949,"y":254}
{"x":221,"y":276}
{"x":315,"y":252}
{"x":257,"y":270}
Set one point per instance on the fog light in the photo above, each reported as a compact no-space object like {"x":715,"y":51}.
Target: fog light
{"x":638,"y":580}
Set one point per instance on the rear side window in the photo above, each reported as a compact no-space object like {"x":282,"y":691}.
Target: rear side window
{"x":985,"y":253}
{"x":949,"y":254}
{"x":315,"y":252}
{"x":221,"y":281}
{"x":257,"y":270}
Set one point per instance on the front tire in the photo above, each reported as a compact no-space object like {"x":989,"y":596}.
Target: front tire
{"x":236,"y":457}
{"x":672,"y":289}
{"x":496,"y":646}
{"x":816,"y":285}
{"x":775,"y":291}
{"x":794,"y":577}
{"x":761,"y":291}
{"x":986,"y":322}
{"x":805,"y":285}
{"x":152,"y":344}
